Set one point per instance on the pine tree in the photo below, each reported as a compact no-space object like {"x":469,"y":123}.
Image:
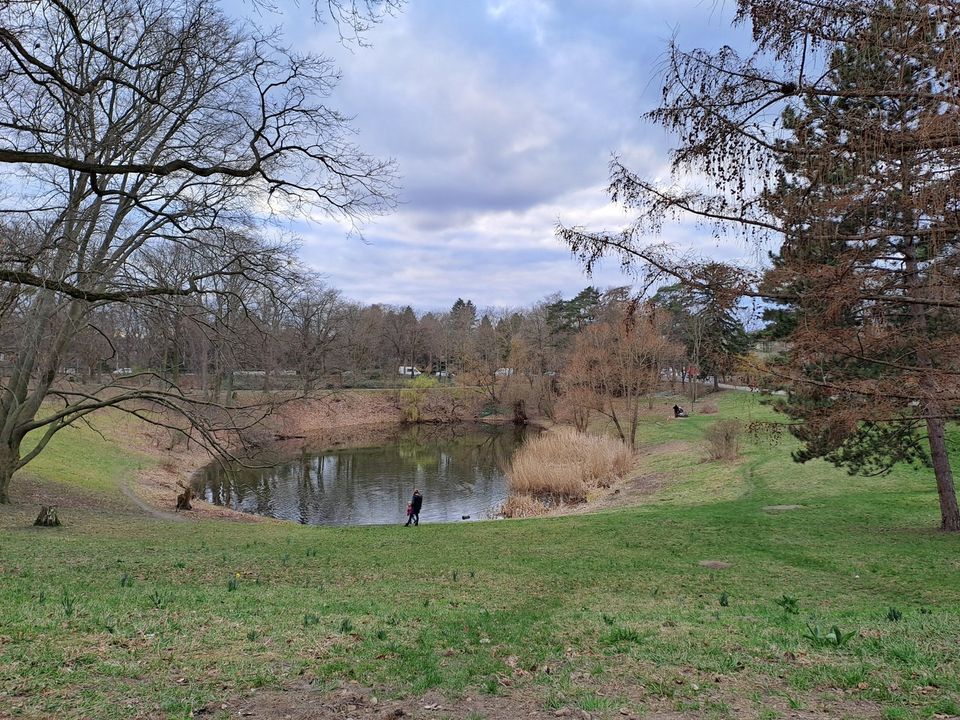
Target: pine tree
{"x":863,"y":205}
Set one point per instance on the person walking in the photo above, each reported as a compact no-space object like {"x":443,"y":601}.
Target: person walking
{"x":413,"y":514}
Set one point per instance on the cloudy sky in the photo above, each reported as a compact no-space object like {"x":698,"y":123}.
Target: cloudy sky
{"x":502,"y":116}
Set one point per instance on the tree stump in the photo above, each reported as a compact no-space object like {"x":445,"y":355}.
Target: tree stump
{"x":48,"y":517}
{"x":184,"y":498}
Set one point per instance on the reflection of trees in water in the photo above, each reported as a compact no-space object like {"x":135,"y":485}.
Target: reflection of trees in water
{"x":459,"y":469}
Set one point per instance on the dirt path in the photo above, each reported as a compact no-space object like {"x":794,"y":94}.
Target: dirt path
{"x":147,"y":508}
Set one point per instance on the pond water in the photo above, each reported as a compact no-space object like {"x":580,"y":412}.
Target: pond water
{"x":460,"y":470}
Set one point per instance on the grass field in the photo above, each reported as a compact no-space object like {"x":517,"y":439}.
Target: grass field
{"x":121,"y":615}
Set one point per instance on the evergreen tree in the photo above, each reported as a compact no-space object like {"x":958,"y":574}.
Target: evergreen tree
{"x":566,"y":317}
{"x":859,"y":175}
{"x":861,"y":215}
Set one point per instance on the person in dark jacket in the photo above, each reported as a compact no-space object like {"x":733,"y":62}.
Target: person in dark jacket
{"x":415,"y":504}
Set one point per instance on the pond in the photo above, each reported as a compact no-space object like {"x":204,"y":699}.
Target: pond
{"x":459,"y":469}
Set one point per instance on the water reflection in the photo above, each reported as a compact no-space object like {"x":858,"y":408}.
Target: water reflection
{"x":459,"y":469}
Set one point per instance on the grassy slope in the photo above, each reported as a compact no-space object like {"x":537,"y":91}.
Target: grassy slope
{"x":615,"y":604}
{"x":80,"y":457}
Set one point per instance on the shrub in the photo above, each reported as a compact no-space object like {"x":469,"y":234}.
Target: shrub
{"x":723,"y":440}
{"x":412,"y":397}
{"x":563,"y":466}
{"x":708,"y":408}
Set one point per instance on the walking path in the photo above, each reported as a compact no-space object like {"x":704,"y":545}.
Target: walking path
{"x":724,"y":386}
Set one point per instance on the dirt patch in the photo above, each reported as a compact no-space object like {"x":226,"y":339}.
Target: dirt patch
{"x":782,"y":508}
{"x":305,"y":703}
{"x":357,"y":703}
{"x":715,"y":564}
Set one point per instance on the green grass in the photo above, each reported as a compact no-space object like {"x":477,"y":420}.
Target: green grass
{"x":80,"y":457}
{"x":594,"y":612}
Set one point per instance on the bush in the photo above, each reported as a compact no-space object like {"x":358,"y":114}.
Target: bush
{"x":413,"y":396}
{"x":564,"y":465}
{"x":708,"y":408}
{"x":723,"y":440}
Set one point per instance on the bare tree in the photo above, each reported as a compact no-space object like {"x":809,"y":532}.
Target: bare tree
{"x":317,"y":316}
{"x":140,"y":136}
{"x":615,"y":365}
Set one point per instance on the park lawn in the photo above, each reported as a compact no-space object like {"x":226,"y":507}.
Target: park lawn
{"x":82,"y":456}
{"x":125,"y":616}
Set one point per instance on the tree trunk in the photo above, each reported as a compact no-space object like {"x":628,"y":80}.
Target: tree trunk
{"x":7,"y":467}
{"x":949,"y":512}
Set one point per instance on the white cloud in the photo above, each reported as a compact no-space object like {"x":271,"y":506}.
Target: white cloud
{"x":529,"y":16}
{"x":497,"y":138}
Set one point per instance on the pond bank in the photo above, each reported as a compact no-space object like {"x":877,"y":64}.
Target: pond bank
{"x":460,"y":469}
{"x":340,"y":419}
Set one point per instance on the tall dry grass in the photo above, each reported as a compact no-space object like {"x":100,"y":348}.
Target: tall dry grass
{"x":562,"y":466}
{"x":523,"y":506}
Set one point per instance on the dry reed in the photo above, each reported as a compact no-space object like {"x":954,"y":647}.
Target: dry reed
{"x":565,"y":464}
{"x":522,"y":506}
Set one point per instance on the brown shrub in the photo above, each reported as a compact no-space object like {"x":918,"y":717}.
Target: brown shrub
{"x":564,"y":464}
{"x":708,"y":408}
{"x":723,"y":440}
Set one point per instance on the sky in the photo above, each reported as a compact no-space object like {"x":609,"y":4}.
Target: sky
{"x":502,"y":117}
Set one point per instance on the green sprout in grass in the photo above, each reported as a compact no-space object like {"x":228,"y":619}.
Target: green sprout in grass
{"x":158,"y":599}
{"x":68,"y":602}
{"x":835,"y":637}
{"x":789,"y":604}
